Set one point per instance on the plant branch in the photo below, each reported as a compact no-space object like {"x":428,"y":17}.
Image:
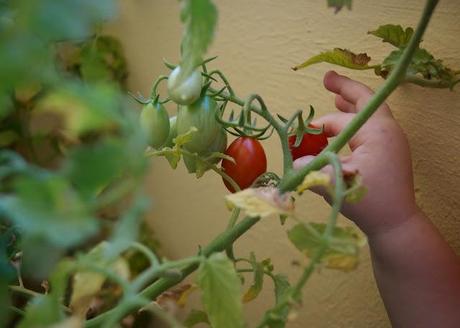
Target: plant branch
{"x":296,"y":293}
{"x":293,"y":179}
{"x":219,"y":244}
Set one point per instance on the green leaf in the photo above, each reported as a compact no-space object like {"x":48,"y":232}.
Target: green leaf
{"x":43,"y":311}
{"x":423,"y":64}
{"x":45,"y":206}
{"x":340,"y":57}
{"x":127,"y":229}
{"x":195,"y":317}
{"x":394,"y":34}
{"x":256,"y":287}
{"x":92,"y":167}
{"x":200,"y":19}
{"x":221,"y":292}
{"x":282,"y":292}
{"x":339,"y":4}
{"x":8,"y":137}
{"x":342,"y":252}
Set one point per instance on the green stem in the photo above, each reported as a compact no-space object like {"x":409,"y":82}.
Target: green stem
{"x":219,"y":244}
{"x":262,"y":111}
{"x":293,"y":179}
{"x":339,"y":193}
{"x":24,"y":291}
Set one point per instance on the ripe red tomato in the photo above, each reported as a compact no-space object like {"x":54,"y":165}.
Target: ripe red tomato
{"x":312,"y":144}
{"x":250,"y":162}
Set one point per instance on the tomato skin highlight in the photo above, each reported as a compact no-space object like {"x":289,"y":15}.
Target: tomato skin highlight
{"x":201,"y":115}
{"x":312,"y":144}
{"x":250,"y":162}
{"x":184,"y":92}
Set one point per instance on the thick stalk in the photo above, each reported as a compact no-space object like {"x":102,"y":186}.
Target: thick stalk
{"x":339,"y":193}
{"x":219,"y":244}
{"x":293,"y":179}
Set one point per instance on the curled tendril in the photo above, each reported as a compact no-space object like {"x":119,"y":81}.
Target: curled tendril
{"x":154,"y":93}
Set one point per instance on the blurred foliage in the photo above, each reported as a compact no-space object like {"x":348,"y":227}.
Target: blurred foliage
{"x":71,"y":150}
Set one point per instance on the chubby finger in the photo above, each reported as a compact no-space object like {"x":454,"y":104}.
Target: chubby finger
{"x":350,"y":90}
{"x":333,"y":123}
{"x":343,"y":105}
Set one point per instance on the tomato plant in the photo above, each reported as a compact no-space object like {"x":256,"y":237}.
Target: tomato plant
{"x":250,"y":162}
{"x":72,"y":198}
{"x":311,"y":144}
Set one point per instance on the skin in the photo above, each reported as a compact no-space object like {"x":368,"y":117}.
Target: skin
{"x":417,"y":273}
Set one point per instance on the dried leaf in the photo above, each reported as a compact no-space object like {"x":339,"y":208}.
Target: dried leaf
{"x":341,"y":57}
{"x":314,"y":179}
{"x":262,"y":201}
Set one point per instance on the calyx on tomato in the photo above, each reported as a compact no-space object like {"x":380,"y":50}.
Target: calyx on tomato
{"x":250,"y":162}
{"x":184,"y":91}
{"x":154,"y":121}
{"x":312,"y":144}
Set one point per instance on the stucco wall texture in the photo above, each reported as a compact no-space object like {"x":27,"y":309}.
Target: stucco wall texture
{"x":257,"y":42}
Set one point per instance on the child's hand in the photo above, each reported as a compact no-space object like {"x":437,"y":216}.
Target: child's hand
{"x":380,"y":153}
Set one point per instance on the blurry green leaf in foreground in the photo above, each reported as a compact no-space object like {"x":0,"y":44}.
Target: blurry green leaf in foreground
{"x":343,"y":251}
{"x":43,"y":311}
{"x":200,"y":19}
{"x":47,"y":207}
{"x":340,"y":57}
{"x":92,"y":167}
{"x":221,"y":299}
{"x":195,"y":317}
{"x":394,"y":34}
{"x":85,"y":108}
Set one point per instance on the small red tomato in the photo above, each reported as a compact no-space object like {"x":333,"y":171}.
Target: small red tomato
{"x":250,"y":162}
{"x":312,"y":144}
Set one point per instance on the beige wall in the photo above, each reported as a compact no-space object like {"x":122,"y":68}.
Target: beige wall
{"x":257,"y":42}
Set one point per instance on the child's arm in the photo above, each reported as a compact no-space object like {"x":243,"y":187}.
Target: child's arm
{"x":417,"y":273}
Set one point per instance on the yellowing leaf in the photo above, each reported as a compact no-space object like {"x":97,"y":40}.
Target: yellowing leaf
{"x":341,"y":57}
{"x":262,"y":201}
{"x":87,"y":284}
{"x":342,"y":252}
{"x":394,"y":34}
{"x":72,"y":322}
{"x":178,"y":295}
{"x":314,"y":179}
{"x":356,"y":190}
{"x":182,"y":139}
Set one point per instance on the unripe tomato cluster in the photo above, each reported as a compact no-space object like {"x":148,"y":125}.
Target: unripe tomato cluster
{"x":198,"y":109}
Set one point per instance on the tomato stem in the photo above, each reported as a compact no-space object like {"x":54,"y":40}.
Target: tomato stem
{"x":296,"y":293}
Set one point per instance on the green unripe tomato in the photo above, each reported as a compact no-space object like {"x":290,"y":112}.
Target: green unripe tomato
{"x":154,"y":121}
{"x":172,"y":132}
{"x":218,"y":146}
{"x":188,"y":90}
{"x":201,"y":115}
